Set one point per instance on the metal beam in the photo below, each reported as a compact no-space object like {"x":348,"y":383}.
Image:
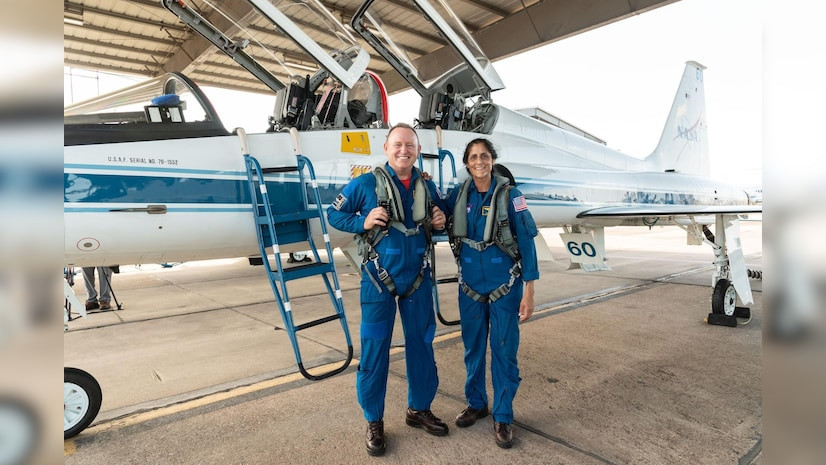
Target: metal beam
{"x":488,"y":7}
{"x":116,"y":59}
{"x":108,"y":68}
{"x":111,"y":46}
{"x":124,"y":17}
{"x":195,"y":48}
{"x":115,"y":32}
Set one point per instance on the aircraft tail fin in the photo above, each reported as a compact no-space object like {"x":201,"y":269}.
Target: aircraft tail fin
{"x":683,"y":145}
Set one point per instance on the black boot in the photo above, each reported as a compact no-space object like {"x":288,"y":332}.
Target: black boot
{"x":504,"y":435}
{"x":426,"y":420}
{"x":375,"y":438}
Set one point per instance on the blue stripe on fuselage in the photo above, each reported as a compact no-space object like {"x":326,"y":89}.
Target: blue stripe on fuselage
{"x":110,"y":188}
{"x":103,"y":186}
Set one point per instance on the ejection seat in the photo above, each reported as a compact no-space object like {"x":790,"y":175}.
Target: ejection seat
{"x":367,"y":102}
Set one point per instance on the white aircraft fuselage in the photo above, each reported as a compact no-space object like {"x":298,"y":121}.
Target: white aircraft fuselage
{"x":202,"y":184}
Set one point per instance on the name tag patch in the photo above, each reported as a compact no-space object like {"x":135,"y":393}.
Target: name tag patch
{"x":339,"y":201}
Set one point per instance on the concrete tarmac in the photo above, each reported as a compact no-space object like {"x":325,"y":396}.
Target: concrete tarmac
{"x":616,"y":366}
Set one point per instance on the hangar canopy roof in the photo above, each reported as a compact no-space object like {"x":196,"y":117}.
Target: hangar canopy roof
{"x":141,"y":37}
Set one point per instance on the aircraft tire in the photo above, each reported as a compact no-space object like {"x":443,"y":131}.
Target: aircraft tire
{"x":297,"y":257}
{"x":81,"y":400}
{"x":724,"y":298}
{"x":19,"y":430}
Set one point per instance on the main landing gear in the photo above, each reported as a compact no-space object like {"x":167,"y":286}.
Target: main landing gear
{"x":730,"y":279}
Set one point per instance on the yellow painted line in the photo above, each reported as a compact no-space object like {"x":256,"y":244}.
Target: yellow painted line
{"x":448,"y":336}
{"x":69,"y":447}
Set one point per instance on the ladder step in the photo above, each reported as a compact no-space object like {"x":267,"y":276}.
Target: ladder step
{"x":454,"y":279}
{"x":289,"y":217}
{"x":302,"y":271}
{"x":317,"y":322}
{"x":279,"y":169}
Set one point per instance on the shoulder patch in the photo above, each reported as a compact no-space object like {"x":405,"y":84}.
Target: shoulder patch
{"x":519,"y":203}
{"x":339,"y":201}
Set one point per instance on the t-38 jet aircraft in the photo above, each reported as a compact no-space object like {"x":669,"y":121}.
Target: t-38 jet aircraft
{"x":151,"y":174}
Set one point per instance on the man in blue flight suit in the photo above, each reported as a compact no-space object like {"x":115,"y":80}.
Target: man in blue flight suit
{"x":493,"y":264}
{"x":395,"y":250}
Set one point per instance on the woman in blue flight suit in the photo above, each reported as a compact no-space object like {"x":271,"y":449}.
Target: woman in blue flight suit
{"x":487,"y":306}
{"x":402,"y":256}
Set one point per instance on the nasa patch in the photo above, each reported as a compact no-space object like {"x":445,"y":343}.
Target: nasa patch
{"x":339,"y":201}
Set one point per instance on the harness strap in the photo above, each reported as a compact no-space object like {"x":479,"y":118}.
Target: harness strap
{"x":497,"y":231}
{"x":384,"y":276}
{"x":388,"y":196}
{"x":475,"y":245}
{"x":497,"y":225}
{"x":496,"y":294}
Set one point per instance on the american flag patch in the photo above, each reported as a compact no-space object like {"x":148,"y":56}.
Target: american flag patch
{"x":519,"y":203}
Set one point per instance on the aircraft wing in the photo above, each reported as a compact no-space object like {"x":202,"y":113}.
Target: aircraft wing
{"x":637,"y":211}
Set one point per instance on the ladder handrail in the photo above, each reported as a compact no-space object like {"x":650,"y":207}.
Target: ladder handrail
{"x":257,"y":186}
{"x":442,"y":154}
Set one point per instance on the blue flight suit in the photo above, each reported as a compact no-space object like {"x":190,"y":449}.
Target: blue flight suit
{"x":484,"y":272}
{"x":402,"y":257}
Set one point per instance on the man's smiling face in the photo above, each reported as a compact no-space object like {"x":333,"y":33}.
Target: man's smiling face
{"x":402,"y":148}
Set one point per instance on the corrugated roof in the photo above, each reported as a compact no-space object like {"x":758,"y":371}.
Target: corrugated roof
{"x":140,"y":37}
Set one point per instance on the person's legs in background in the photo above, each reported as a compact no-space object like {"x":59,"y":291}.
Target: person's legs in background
{"x":91,"y":292}
{"x":105,"y":280}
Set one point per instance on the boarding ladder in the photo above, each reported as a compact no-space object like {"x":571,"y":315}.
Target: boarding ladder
{"x":288,"y":221}
{"x":441,"y":156}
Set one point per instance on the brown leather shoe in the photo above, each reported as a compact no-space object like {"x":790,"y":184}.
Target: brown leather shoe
{"x":104,"y":305}
{"x":504,"y":435}
{"x":470,"y":415}
{"x":91,"y":305}
{"x":426,"y":420}
{"x":375,"y":438}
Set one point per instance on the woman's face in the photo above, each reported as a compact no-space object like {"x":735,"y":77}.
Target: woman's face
{"x":479,"y":162}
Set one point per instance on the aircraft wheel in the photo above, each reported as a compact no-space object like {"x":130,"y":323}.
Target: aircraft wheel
{"x":19,"y":431}
{"x":297,"y":257}
{"x":724,"y":298}
{"x":81,"y":400}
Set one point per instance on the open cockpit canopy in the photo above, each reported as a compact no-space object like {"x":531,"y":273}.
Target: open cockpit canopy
{"x":272,"y":39}
{"x":315,"y":65}
{"x":454,"y":79}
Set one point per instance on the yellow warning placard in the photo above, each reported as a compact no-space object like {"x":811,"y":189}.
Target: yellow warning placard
{"x":355,"y":142}
{"x":358,"y":170}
